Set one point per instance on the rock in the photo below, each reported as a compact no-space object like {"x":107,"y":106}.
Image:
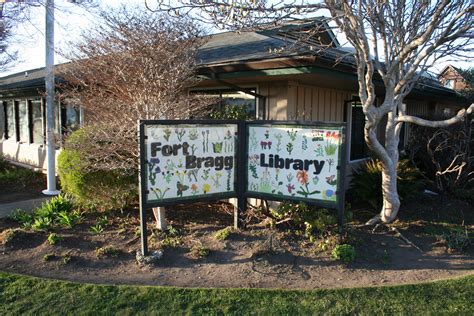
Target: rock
{"x":153,"y":257}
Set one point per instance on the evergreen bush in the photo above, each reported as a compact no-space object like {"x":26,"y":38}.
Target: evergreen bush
{"x":94,"y":189}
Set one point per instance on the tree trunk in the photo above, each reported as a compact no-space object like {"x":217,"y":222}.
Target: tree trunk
{"x":391,"y":200}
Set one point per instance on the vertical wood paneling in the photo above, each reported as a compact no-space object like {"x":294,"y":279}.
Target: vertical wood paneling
{"x":308,"y":99}
{"x":300,"y":104}
{"x":327,"y":105}
{"x":321,"y":105}
{"x":282,"y":102}
{"x":314,"y":105}
{"x":292,"y":97}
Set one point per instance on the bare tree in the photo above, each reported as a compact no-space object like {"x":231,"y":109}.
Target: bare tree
{"x":132,"y":65}
{"x":9,"y":15}
{"x":395,"y":41}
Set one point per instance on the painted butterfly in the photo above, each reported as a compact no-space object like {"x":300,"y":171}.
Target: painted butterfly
{"x":181,"y":188}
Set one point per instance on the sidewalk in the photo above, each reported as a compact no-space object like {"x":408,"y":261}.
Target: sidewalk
{"x":26,"y":205}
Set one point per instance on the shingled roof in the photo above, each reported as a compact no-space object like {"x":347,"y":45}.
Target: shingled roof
{"x":265,"y":44}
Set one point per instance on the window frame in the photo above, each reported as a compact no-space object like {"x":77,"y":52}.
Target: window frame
{"x":348,"y":120}
{"x":220,"y":88}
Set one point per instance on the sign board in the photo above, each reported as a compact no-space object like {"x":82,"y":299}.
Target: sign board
{"x":198,"y":160}
{"x":189,"y":161}
{"x":294,"y":162}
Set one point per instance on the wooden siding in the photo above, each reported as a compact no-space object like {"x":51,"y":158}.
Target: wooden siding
{"x":317,"y":104}
{"x":293,"y":101}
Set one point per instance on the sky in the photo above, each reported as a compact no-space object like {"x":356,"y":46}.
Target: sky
{"x":70,"y":21}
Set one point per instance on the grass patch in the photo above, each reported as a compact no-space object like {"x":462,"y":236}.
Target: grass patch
{"x":20,"y":294}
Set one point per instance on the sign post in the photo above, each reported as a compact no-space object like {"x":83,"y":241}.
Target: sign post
{"x":204,"y":160}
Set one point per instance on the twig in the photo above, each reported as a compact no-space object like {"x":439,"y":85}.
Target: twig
{"x":405,"y":239}
{"x":283,"y":221}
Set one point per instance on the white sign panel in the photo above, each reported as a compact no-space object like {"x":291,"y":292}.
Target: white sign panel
{"x":187,"y":161}
{"x":301,"y":162}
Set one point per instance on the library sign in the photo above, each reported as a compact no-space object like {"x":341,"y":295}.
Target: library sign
{"x":202,"y":160}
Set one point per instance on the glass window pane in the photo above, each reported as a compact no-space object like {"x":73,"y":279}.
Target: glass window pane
{"x":2,"y":120}
{"x":242,"y":99}
{"x":37,"y":117}
{"x":23,"y":121}
{"x":11,"y":120}
{"x":358,"y":146}
{"x":72,"y":118}
{"x":57,"y":117}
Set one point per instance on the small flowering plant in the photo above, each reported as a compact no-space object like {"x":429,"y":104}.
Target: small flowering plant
{"x":303,"y":179}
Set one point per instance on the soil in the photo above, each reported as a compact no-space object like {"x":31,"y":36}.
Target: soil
{"x":257,"y":257}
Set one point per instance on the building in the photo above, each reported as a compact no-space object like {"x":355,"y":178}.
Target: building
{"x":269,"y":71}
{"x":454,"y":78}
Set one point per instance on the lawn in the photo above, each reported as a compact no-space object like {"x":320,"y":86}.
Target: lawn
{"x":21,"y":294}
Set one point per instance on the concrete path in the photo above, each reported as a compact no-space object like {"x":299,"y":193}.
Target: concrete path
{"x":26,"y":205}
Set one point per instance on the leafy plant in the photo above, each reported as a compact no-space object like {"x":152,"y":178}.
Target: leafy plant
{"x":22,"y":217}
{"x":172,"y":242}
{"x":49,"y":257}
{"x":311,"y":219}
{"x":366,"y":185}
{"x":346,"y":253}
{"x":223,"y":234}
{"x":42,"y":223}
{"x":199,"y":251}
{"x":107,"y":251}
{"x":54,"y":238}
{"x":69,"y":219}
{"x":97,"y":229}
{"x":455,"y":240}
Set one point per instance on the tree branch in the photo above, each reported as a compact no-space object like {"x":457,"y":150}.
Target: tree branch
{"x":422,"y":122}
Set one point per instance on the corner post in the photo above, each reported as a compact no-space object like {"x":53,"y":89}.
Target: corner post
{"x":241,"y":175}
{"x":342,"y":180}
{"x":142,"y":188}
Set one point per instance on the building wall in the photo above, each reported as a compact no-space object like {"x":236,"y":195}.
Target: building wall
{"x":31,"y":150}
{"x":293,"y":101}
{"x":458,"y":81}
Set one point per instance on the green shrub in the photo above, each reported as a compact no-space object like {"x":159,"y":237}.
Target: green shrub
{"x":223,"y":234}
{"x":107,"y":251}
{"x":100,"y":190}
{"x":231,"y":112}
{"x":366,"y":185}
{"x":346,"y":253}
{"x":312,"y":220}
{"x":3,"y":164}
{"x":10,"y":174}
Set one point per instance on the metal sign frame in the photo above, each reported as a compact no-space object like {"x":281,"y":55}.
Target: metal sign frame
{"x":241,"y":164}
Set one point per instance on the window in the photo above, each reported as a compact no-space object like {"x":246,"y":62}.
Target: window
{"x":449,"y":83}
{"x":37,"y":121}
{"x":23,"y":121}
{"x":358,"y":147}
{"x":70,"y":118}
{"x":233,"y":97}
{"x":11,"y":124}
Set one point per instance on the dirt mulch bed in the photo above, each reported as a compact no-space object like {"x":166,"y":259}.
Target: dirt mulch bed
{"x":256,"y":257}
